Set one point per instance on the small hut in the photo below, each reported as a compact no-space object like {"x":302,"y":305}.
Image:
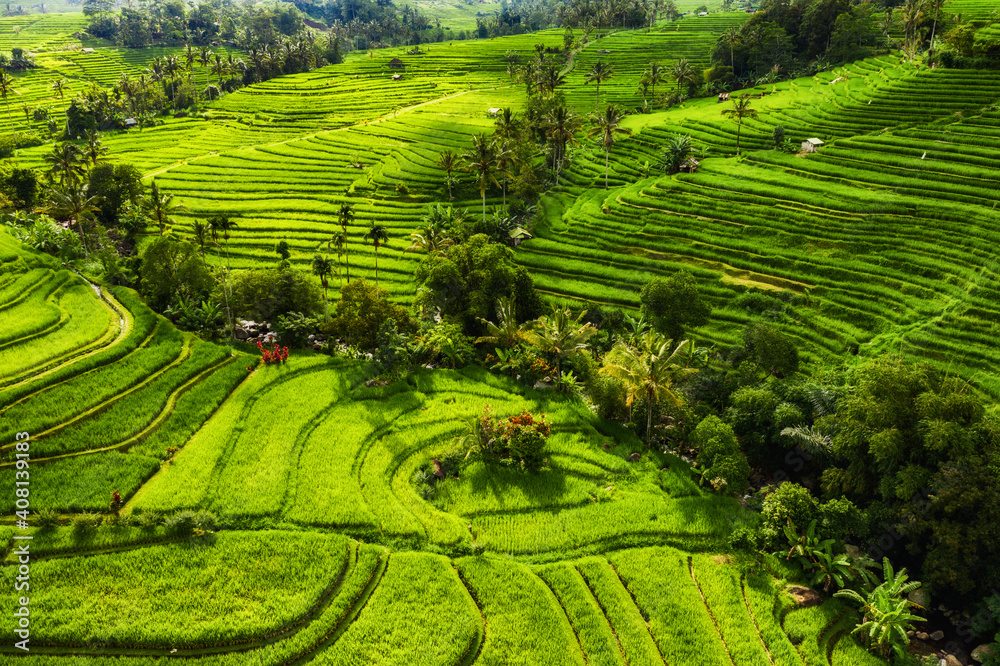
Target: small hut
{"x":723,"y":97}
{"x":811,"y":145}
{"x":518,"y":235}
{"x":397,"y":77}
{"x":396,"y":63}
{"x":690,"y":165}
{"x":494,"y":110}
{"x":87,"y":50}
{"x":130,"y":123}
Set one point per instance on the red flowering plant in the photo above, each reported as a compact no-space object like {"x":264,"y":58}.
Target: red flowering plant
{"x":277,"y":355}
{"x":515,"y":440}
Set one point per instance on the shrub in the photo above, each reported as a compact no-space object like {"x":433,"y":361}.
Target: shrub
{"x":790,"y":503}
{"x":518,"y":441}
{"x":723,"y":464}
{"x":264,"y":294}
{"x":361,"y":311}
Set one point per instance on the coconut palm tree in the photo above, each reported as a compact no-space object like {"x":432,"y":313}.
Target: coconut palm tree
{"x":560,"y":127}
{"x":480,"y":161}
{"x":338,"y":241}
{"x":70,"y":202}
{"x":598,"y":74}
{"x":449,"y":162}
{"x":161,"y":208}
{"x":204,"y":58}
{"x":654,"y":74}
{"x":503,"y":155}
{"x":731,"y":36}
{"x":322,"y":267}
{"x":345,"y":216}
{"x":560,"y":335}
{"x":59,"y":85}
{"x":66,"y":163}
{"x":378,"y":235}
{"x":683,"y":72}
{"x":886,"y":612}
{"x":7,"y":89}
{"x":199,"y":230}
{"x":741,"y":111}
{"x":607,"y":126}
{"x":93,"y":151}
{"x":429,"y":239}
{"x":507,"y":125}
{"x":649,"y":370}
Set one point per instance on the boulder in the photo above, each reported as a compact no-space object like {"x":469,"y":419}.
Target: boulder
{"x":805,"y":597}
{"x":635,"y":457}
{"x":982,"y":652}
{"x":607,"y":447}
{"x":951,"y":660}
{"x":241,"y":334}
{"x":922,"y":635}
{"x":438,"y":469}
{"x":937,"y":635}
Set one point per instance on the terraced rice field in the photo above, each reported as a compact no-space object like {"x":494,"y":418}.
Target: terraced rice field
{"x":885,"y":235}
{"x":310,"y":474}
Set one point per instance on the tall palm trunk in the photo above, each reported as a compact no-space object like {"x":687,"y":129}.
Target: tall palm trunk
{"x":83,"y":238}
{"x":606,"y":169}
{"x":739,"y":129}
{"x":376,"y":267}
{"x":649,"y":421}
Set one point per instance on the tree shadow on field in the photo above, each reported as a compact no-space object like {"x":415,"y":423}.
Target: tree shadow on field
{"x":498,"y":481}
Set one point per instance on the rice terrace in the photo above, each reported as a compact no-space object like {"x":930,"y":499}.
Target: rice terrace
{"x":452,"y":332}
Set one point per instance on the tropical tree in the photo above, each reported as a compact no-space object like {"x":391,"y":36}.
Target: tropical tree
{"x":652,"y":75}
{"x":199,"y":230}
{"x":161,"y":208}
{"x":607,"y":126}
{"x":560,"y":127}
{"x":503,"y":155}
{"x":560,"y":335}
{"x":378,"y":235}
{"x":649,"y":370}
{"x":507,"y":125}
{"x":59,"y":85}
{"x":70,"y":202}
{"x":598,"y":74}
{"x":337,"y":242}
{"x":449,"y":162}
{"x":93,"y":151}
{"x":741,"y":111}
{"x":682,"y":72}
{"x":322,"y":267}
{"x":675,"y":152}
{"x":7,"y":89}
{"x":65,"y":163}
{"x":886,"y":612}
{"x":430,"y":239}
{"x":731,"y":36}
{"x":204,"y":58}
{"x":480,"y":161}
{"x":345,"y":216}
{"x":506,"y":332}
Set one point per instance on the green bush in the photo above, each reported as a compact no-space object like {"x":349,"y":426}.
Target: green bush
{"x":723,"y":464}
{"x":264,"y":294}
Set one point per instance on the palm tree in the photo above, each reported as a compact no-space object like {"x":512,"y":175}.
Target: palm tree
{"x":913,"y":16}
{"x":676,"y":150}
{"x":506,"y":332}
{"x":507,"y":125}
{"x":683,"y":72}
{"x":378,"y":235}
{"x":560,"y":126}
{"x":6,"y":89}
{"x":607,"y":125}
{"x":599,"y":73}
{"x":503,"y":155}
{"x":345,"y":216}
{"x":429,"y":239}
{"x":740,"y":111}
{"x":160,"y":207}
{"x":936,"y":6}
{"x":94,"y":151}
{"x":322,"y":267}
{"x":886,"y":612}
{"x":649,"y":371}
{"x":204,"y":58}
{"x":654,"y":74}
{"x":200,"y":232}
{"x":338,"y":241}
{"x":70,"y":202}
{"x":560,"y":334}
{"x":59,"y":85}
{"x":65,"y":163}
{"x":448,"y":162}
{"x":480,"y":161}
{"x":731,"y":36}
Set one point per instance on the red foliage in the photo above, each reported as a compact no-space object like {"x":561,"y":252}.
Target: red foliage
{"x":276,"y":355}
